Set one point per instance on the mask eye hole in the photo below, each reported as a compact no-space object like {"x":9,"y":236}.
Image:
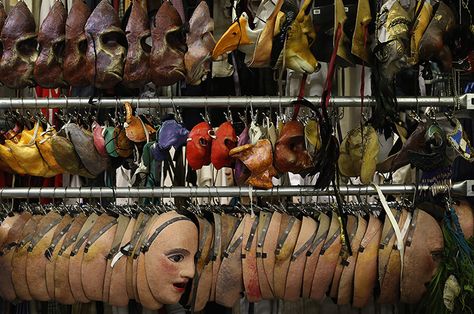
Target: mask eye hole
{"x":82,"y":46}
{"x":59,"y":48}
{"x":176,"y":40}
{"x":114,"y":40}
{"x":27,"y":47}
{"x":202,"y":142}
{"x":1,"y":48}
{"x":145,"y":42}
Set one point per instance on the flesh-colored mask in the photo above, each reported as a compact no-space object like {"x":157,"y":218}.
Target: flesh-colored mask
{"x":48,"y":70}
{"x":76,"y":44}
{"x":19,"y":43}
{"x":171,"y":263}
{"x":290,"y":150}
{"x":137,"y":64}
{"x":225,"y":140}
{"x":169,"y":46}
{"x":200,"y":42}
{"x":106,"y":47}
{"x":198,"y":147}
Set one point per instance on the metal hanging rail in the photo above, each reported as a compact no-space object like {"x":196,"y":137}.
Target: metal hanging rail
{"x":465,"y":101}
{"x":464,"y":188}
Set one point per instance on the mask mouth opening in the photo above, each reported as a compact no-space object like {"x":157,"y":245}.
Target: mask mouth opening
{"x":114,"y":39}
{"x":145,"y":43}
{"x":203,"y":142}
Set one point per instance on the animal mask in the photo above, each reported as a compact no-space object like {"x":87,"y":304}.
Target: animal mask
{"x":200,"y":42}
{"x":241,"y":172}
{"x":171,"y":134}
{"x":106,"y":47}
{"x":290,"y":150}
{"x":198,"y":146}
{"x":137,"y":131}
{"x":76,"y":44}
{"x":259,"y":160}
{"x":224,"y":141}
{"x":137,"y":64}
{"x":48,"y":70}
{"x":3,"y":16}
{"x":169,"y":47}
{"x":19,"y":54}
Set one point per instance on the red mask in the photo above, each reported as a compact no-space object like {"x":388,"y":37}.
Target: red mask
{"x":48,"y":71}
{"x":19,"y":55}
{"x":290,"y":149}
{"x":137,"y":65}
{"x":224,"y":141}
{"x":169,"y":46}
{"x":106,"y":47}
{"x":76,"y":44}
{"x":198,"y":147}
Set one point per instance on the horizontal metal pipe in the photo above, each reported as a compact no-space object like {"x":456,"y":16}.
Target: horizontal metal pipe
{"x":193,"y":102}
{"x":460,"y":188}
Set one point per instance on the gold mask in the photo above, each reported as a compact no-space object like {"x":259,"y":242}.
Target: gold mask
{"x":360,"y":47}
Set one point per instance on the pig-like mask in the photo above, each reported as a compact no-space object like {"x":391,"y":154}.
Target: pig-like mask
{"x":48,"y":70}
{"x":106,"y":47}
{"x":169,"y":46}
{"x":290,"y":149}
{"x":198,"y":146}
{"x":200,"y":42}
{"x":76,"y":44}
{"x":137,"y":64}
{"x":19,"y":43}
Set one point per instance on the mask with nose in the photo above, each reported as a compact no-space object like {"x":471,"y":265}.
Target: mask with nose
{"x":169,"y":47}
{"x":76,"y":44}
{"x":137,"y":64}
{"x":198,"y":146}
{"x":19,"y":43}
{"x":48,"y":70}
{"x":106,"y":47}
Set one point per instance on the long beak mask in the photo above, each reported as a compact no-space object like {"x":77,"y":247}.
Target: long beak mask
{"x":360,"y":46}
{"x":137,"y":131}
{"x":168,"y":48}
{"x":421,"y":23}
{"x":238,"y":35}
{"x":301,"y":36}
{"x":18,"y":38}
{"x":340,"y":19}
{"x":106,"y":47}
{"x":200,"y":42}
{"x":48,"y":70}
{"x":76,"y":44}
{"x":137,"y":65}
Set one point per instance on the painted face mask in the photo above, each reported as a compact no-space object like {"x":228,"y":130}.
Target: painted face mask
{"x":169,"y":47}
{"x":171,"y":134}
{"x":19,"y":43}
{"x":76,"y":44}
{"x":290,"y":150}
{"x":198,"y":147}
{"x":106,"y":47}
{"x":48,"y":70}
{"x":200,"y":42}
{"x":224,"y":141}
{"x":137,"y":64}
{"x":258,"y":158}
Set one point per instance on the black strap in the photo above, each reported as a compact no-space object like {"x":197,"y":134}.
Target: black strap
{"x":316,"y":242}
{"x":96,"y":236}
{"x":146,"y":246}
{"x":202,"y":240}
{"x":262,"y":235}
{"x":328,"y":243}
{"x":217,"y":236}
{"x":304,"y":247}
{"x":48,"y":253}
{"x":411,"y":229}
{"x":252,"y":234}
{"x":128,"y":248}
{"x":79,"y":243}
{"x":390,"y":233}
{"x":231,"y":249}
{"x":42,"y":232}
{"x":284,"y":236}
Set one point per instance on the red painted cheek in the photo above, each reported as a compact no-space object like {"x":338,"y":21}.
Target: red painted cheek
{"x":168,"y":267}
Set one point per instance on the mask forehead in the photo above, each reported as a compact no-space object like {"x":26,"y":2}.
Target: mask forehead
{"x":19,"y":22}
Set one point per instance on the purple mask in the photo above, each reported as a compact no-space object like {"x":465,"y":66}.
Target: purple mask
{"x":171,"y":134}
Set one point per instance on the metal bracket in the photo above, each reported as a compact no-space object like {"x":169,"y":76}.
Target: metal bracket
{"x":468,"y":100}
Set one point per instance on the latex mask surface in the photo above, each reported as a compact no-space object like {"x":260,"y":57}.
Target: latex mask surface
{"x":224,"y":141}
{"x":106,"y":47}
{"x":137,"y":63}
{"x":198,"y":146}
{"x":290,"y":150}
{"x":171,"y":134}
{"x":76,"y":44}
{"x":19,"y":55}
{"x":200,"y":43}
{"x":169,"y":47}
{"x":48,"y":70}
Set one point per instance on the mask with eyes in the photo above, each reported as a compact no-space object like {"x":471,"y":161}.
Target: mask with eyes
{"x":169,"y":47}
{"x":19,"y":43}
{"x":200,"y":42}
{"x":48,"y":70}
{"x":224,"y":141}
{"x":198,"y":146}
{"x":137,"y":64}
{"x":106,"y":47}
{"x":290,"y":149}
{"x":76,"y":44}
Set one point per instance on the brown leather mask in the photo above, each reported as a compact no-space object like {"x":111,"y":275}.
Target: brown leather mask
{"x":290,"y":150}
{"x":169,"y":46}
{"x":106,"y":47}
{"x":18,"y":38}
{"x":3,"y":16}
{"x":137,"y":65}
{"x":200,"y":42}
{"x":48,"y":70}
{"x":76,"y":44}
{"x":259,"y":160}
